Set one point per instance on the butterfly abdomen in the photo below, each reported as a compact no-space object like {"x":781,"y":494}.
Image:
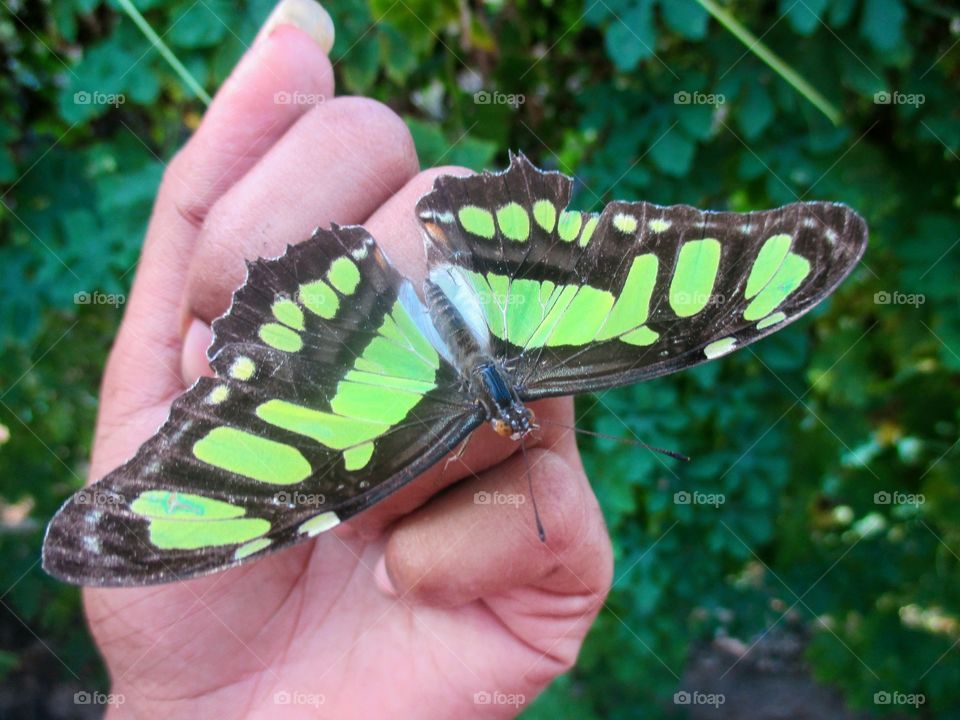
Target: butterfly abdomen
{"x":470,"y":348}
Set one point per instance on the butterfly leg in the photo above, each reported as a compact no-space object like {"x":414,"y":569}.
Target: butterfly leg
{"x":457,"y":455}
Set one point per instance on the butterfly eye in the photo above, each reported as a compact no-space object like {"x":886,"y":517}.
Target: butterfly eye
{"x":501,"y":427}
{"x":531,"y":418}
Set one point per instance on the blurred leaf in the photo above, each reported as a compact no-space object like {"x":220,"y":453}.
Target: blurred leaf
{"x":755,"y":112}
{"x":434,"y":148}
{"x":631,"y":36}
{"x":882,"y":22}
{"x":399,"y":58}
{"x":840,"y":11}
{"x":672,"y":152}
{"x":685,"y":17}
{"x":361,"y":70}
{"x":199,"y":24}
{"x":803,"y":16}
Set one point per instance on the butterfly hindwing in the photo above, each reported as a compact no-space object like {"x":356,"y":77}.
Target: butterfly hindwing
{"x":327,"y":397}
{"x":577,"y":302}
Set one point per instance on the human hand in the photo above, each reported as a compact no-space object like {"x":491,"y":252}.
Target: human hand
{"x":425,"y":606}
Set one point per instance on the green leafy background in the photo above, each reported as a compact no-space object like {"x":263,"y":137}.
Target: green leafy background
{"x":798,"y":434}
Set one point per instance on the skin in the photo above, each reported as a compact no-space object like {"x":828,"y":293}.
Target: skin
{"x":417,"y":605}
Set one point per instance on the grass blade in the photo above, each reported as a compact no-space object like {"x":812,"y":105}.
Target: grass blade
{"x":164,"y":50}
{"x":765,"y":54}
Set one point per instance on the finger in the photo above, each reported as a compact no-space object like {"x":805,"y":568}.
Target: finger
{"x":338,"y":163}
{"x":308,"y":15}
{"x":479,"y":539}
{"x":242,"y":122}
{"x":484,"y":449}
{"x":247,"y":117}
{"x":396,"y":228}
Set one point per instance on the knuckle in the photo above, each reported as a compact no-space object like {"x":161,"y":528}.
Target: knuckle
{"x":425,"y":178}
{"x":408,"y":558}
{"x":175,"y":186}
{"x":575,"y":529}
{"x":376,"y":131}
{"x":562,"y":499}
{"x":222,"y":224}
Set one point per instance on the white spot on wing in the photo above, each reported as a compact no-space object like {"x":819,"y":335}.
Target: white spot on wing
{"x":218,"y":395}
{"x":91,"y":544}
{"x":624,"y":222}
{"x":321,"y":523}
{"x":444,"y":217}
{"x":720,"y":347}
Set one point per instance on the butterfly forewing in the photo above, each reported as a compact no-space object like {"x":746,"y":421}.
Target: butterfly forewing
{"x":327,"y":397}
{"x":577,"y":302}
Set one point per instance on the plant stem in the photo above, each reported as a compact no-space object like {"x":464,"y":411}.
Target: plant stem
{"x":164,"y":50}
{"x":765,"y":54}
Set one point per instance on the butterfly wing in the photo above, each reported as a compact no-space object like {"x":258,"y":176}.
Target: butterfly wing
{"x":328,"y":396}
{"x":577,"y":302}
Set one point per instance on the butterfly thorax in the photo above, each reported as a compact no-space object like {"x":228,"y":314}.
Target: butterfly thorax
{"x":487,"y":381}
{"x":508,"y":415}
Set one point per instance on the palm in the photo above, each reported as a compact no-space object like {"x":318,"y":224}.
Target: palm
{"x":309,"y":627}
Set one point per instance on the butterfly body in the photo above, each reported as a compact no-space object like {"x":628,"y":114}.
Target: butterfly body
{"x":505,"y":411}
{"x":468,"y":345}
{"x":335,"y":380}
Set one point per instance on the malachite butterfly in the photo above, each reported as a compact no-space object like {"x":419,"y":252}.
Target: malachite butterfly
{"x":336,"y":381}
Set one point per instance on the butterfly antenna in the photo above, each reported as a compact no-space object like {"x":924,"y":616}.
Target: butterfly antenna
{"x":536,"y":511}
{"x":626,"y":441}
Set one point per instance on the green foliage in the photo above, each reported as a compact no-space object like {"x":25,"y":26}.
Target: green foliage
{"x":640,"y":99}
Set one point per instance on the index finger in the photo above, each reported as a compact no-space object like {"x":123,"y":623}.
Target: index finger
{"x":243,"y":122}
